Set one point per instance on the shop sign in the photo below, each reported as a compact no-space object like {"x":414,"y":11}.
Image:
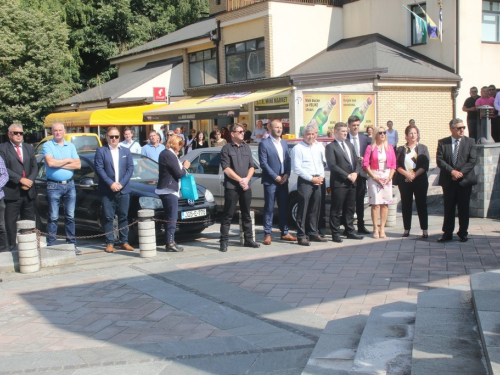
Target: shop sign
{"x":268,"y":104}
{"x":159,"y":94}
{"x":193,"y":116}
{"x":326,"y":109}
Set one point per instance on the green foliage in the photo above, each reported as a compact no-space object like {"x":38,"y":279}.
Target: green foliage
{"x":37,"y":69}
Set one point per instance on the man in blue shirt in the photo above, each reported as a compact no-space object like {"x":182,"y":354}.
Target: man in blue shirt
{"x":153,"y":148}
{"x":307,"y":163}
{"x":61,"y":160}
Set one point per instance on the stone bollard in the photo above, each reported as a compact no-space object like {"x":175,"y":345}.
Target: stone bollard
{"x":147,"y":233}
{"x":242,"y":234}
{"x":29,"y":260}
{"x":391,"y":217}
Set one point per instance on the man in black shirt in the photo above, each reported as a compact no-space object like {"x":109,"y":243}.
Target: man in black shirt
{"x":237,"y":163}
{"x":247,"y":138}
{"x":470,"y":108}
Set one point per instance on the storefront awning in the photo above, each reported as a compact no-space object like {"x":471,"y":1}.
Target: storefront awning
{"x":103,"y":117}
{"x":209,"y":107}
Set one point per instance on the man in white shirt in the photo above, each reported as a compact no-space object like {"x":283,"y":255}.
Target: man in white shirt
{"x":307,"y":163}
{"x":114,"y":166}
{"x":128,"y":142}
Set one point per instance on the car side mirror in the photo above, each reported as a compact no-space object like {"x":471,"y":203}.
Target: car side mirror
{"x":87,"y":182}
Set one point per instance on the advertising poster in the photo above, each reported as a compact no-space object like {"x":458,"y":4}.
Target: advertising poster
{"x":361,"y":105}
{"x":322,"y":110}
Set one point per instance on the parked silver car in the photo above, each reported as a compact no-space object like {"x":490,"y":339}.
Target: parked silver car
{"x":205,"y":166}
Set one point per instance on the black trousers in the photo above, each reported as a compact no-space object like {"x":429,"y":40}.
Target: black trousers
{"x":343,"y":201}
{"x":309,"y":207}
{"x":170,"y":207}
{"x":19,"y":209}
{"x":456,"y":196}
{"x":231,"y":198}
{"x":417,"y":188}
{"x":473,"y":133}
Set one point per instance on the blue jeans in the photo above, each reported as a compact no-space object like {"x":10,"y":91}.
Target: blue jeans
{"x":55,"y":193}
{"x":115,"y":203}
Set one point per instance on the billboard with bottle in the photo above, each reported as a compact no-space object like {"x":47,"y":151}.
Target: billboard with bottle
{"x":361,"y":105}
{"x":326,"y":109}
{"x":322,"y":110}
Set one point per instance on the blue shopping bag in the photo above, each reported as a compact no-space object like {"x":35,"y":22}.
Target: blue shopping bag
{"x":188,"y":187}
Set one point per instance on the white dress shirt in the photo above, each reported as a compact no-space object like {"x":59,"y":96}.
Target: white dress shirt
{"x":307,"y":161}
{"x":115,"y":154}
{"x":279,"y":150}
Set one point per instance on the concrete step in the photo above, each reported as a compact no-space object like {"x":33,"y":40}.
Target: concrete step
{"x":55,"y":256}
{"x":335,"y":350}
{"x":386,"y":343}
{"x":485,"y":288}
{"x":446,"y":340}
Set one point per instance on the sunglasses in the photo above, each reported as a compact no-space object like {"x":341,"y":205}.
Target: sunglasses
{"x":460,"y":127}
{"x":239,"y":131}
{"x":113,"y":136}
{"x":17,"y":133}
{"x":382,"y":133}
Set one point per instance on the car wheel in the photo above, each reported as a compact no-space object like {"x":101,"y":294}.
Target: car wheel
{"x":293,"y":205}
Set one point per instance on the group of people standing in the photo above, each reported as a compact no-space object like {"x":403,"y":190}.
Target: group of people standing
{"x":489,"y":96}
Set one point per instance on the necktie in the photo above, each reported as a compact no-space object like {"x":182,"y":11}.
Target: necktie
{"x":355,"y":144}
{"x":347,"y":153}
{"x":18,"y":149}
{"x":455,"y":152}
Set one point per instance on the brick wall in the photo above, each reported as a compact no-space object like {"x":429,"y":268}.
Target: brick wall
{"x":431,"y":108}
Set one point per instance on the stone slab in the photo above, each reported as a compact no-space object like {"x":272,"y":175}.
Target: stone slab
{"x":55,"y":256}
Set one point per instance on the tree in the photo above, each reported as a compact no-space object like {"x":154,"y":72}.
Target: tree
{"x":37,"y":69}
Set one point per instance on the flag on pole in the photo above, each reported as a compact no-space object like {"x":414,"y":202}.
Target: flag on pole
{"x":420,"y":27}
{"x":441,"y":22}
{"x":432,"y":29}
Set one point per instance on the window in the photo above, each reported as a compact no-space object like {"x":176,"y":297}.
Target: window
{"x":245,"y":60}
{"x":491,"y":21}
{"x":416,"y":9}
{"x":206,"y":163}
{"x":202,"y":68}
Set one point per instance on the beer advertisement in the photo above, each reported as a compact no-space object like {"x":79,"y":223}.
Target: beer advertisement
{"x":322,"y":110}
{"x":361,"y":105}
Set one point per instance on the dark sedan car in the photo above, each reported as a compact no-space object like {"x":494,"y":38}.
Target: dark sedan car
{"x":193,"y":217}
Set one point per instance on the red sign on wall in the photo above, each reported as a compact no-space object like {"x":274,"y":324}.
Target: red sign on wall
{"x":159,"y":94}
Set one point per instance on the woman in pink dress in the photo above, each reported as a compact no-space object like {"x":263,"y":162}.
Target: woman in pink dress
{"x":380,"y":165}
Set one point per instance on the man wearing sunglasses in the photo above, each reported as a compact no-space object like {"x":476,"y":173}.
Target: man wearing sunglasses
{"x":236,"y":161}
{"x":456,"y":158}
{"x":20,"y":194}
{"x":114,"y":166}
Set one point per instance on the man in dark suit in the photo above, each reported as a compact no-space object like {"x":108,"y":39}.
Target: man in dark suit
{"x":276,"y":166}
{"x":20,"y":161}
{"x":359,"y":142}
{"x":342,"y":161}
{"x":114,"y":166}
{"x":456,"y":158}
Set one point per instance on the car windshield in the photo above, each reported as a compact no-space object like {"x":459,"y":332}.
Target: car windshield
{"x":145,"y":169}
{"x":85,"y":143}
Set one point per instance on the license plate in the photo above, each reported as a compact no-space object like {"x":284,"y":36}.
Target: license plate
{"x":195,"y":213}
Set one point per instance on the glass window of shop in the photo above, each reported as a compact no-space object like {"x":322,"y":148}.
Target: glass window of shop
{"x":202,"y":68}
{"x":275,"y":108}
{"x":245,"y":60}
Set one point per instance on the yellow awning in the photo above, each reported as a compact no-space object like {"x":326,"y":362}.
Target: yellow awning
{"x":104,"y":117}
{"x":208,"y":107}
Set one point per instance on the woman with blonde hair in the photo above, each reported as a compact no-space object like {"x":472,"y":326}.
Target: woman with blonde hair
{"x":170,"y":171}
{"x":380,"y":165}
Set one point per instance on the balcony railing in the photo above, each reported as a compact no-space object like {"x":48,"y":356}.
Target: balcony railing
{"x":236,"y":4}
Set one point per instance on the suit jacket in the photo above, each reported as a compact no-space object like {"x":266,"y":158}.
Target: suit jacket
{"x":363,"y":140}
{"x":169,"y":171}
{"x":339,"y":164}
{"x":106,"y":171}
{"x":270,"y":162}
{"x":15,"y":169}
{"x":465,"y":162}
{"x":422,"y":161}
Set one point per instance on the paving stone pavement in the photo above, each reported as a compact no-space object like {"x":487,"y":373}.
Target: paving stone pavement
{"x":248,"y":311}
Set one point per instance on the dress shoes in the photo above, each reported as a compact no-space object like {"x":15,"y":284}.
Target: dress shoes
{"x":317,"y":239}
{"x":288,"y":237}
{"x":223,"y":246}
{"x":110,"y":248}
{"x":445,"y":238}
{"x":303,"y":242}
{"x":251,"y":243}
{"x":463,"y":238}
{"x":406,"y":233}
{"x":336,"y":238}
{"x":354,"y":236}
{"x":174,"y":248}
{"x":127,"y":247}
{"x":267,"y":240}
{"x":363,"y":230}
